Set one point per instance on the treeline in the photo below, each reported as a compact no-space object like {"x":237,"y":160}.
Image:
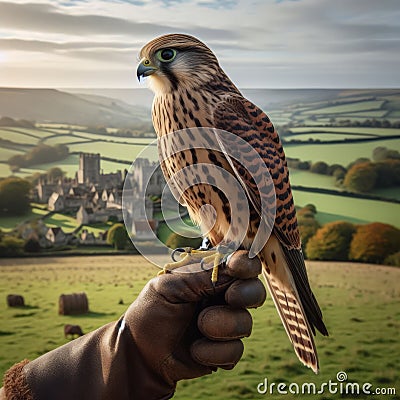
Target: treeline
{"x":338,"y":171}
{"x":362,"y":175}
{"x":21,"y":123}
{"x":14,"y":196}
{"x":369,"y":123}
{"x":366,"y":176}
{"x":285,"y":130}
{"x":376,"y":242}
{"x":40,"y":154}
{"x":51,"y":175}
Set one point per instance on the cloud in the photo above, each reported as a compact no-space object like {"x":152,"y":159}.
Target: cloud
{"x":219,"y":4}
{"x":295,"y":43}
{"x":48,"y":18}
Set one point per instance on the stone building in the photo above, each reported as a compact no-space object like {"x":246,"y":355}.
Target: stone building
{"x":89,"y":169}
{"x":148,"y":177}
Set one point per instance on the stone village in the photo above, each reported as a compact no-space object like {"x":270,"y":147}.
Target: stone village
{"x":94,"y":197}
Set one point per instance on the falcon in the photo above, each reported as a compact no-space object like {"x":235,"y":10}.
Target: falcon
{"x":192,"y":91}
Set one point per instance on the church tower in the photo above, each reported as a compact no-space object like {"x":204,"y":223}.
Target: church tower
{"x":89,"y":168}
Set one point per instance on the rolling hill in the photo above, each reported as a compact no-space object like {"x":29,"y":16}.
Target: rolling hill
{"x":51,"y":105}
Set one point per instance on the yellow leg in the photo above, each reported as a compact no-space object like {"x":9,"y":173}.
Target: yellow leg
{"x":188,"y":257}
{"x":205,"y":256}
{"x":217,"y":260}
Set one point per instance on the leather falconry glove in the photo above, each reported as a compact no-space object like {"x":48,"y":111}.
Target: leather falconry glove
{"x":179,"y":327}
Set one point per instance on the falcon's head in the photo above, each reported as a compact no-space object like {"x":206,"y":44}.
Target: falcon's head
{"x":177,"y":61}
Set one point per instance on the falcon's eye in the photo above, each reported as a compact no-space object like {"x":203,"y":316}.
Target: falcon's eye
{"x":166,"y":55}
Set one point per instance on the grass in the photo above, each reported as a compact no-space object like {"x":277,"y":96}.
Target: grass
{"x":165,"y":229}
{"x":5,"y":154}
{"x":350,"y":129}
{"x":351,"y":209}
{"x":360,"y":304}
{"x":339,"y":153}
{"x":119,"y":151}
{"x":9,"y":223}
{"x":96,"y":228}
{"x":67,"y":223}
{"x":4,"y":170}
{"x":348,"y":108}
{"x":16,"y":136}
{"x":326,"y":137}
{"x":307,"y":178}
{"x":64,"y":139}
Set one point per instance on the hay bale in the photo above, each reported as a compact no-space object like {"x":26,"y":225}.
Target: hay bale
{"x":72,"y":330}
{"x":75,"y":303}
{"x":15,"y":300}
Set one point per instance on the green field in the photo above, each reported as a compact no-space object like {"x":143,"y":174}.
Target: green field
{"x":64,"y":139}
{"x":9,"y":223}
{"x":4,"y":169}
{"x":307,"y":178}
{"x":311,"y":117}
{"x":67,"y":223}
{"x":349,"y":129}
{"x":19,"y":137}
{"x":348,"y":108}
{"x":360,"y":305}
{"x":326,"y":137}
{"x":339,"y":153}
{"x":351,"y":209}
{"x":5,"y":154}
{"x":119,"y":151}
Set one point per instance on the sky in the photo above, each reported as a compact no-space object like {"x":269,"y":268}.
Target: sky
{"x":260,"y":43}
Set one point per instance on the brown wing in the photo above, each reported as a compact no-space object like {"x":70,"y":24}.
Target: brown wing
{"x":241,"y":117}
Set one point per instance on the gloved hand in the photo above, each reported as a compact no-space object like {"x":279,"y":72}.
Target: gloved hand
{"x":179,"y":327}
{"x":185,"y":328}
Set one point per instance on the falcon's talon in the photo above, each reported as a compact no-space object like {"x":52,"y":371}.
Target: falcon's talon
{"x":177,"y":250}
{"x":188,"y":256}
{"x":163,"y":272}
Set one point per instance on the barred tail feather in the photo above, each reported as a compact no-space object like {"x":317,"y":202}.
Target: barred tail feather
{"x":294,"y":321}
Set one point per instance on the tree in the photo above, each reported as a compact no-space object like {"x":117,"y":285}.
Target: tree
{"x":361,"y":160}
{"x":10,"y":246}
{"x":335,"y":167}
{"x":304,"y":165}
{"x":388,"y":173}
{"x":383,"y":153}
{"x":374,"y":242}
{"x":117,"y":236}
{"x":361,"y":177}
{"x":14,"y":196}
{"x":176,"y":240}
{"x":320,"y":167}
{"x":308,"y":225}
{"x":331,"y":242}
{"x":339,"y":174}
{"x":32,"y":245}
{"x":309,"y":207}
{"x":55,"y":173}
{"x":393,"y":259}
{"x":42,"y":153}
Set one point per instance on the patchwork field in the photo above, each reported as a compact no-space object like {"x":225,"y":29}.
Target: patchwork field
{"x":360,"y":304}
{"x":339,"y":153}
{"x":315,"y":118}
{"x":351,"y":209}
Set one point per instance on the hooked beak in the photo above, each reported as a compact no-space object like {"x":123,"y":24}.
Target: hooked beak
{"x":145,"y":69}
